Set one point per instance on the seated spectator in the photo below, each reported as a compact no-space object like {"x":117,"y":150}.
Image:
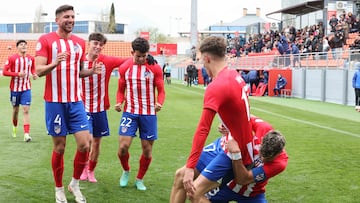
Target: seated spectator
{"x":280,"y":84}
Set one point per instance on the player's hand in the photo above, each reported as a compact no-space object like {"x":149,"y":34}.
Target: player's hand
{"x":97,"y":67}
{"x":61,"y":57}
{"x":232,"y":146}
{"x":118,"y":107}
{"x":188,"y":182}
{"x":21,"y":74}
{"x":157,"y":107}
{"x":35,"y":76}
{"x":222,"y":129}
{"x":151,"y":60}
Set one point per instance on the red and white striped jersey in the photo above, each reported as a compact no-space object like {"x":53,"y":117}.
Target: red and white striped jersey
{"x":16,"y":64}
{"x":95,"y":88}
{"x":139,"y":82}
{"x":272,"y":168}
{"x":62,"y":84}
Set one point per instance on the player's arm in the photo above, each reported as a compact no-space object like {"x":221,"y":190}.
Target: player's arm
{"x":96,"y":69}
{"x":241,"y":174}
{"x":201,"y":133}
{"x":7,"y":70}
{"x":120,"y":94}
{"x":159,"y":82}
{"x":42,"y":66}
{"x":199,"y":139}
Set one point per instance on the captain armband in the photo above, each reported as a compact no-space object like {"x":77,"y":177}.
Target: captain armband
{"x":259,"y":174}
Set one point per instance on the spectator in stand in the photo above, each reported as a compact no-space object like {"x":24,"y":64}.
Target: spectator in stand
{"x":253,"y":77}
{"x":325,"y":47}
{"x":284,"y":41}
{"x":355,"y":50}
{"x":333,"y":22}
{"x":337,"y":42}
{"x":356,"y":86}
{"x":295,"y":52}
{"x":350,"y":19}
{"x":280,"y":84}
{"x":356,"y":25}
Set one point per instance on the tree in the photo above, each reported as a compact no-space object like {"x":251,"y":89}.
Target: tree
{"x":112,"y":23}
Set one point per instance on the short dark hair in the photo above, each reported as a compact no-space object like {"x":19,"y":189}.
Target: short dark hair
{"x":63,"y":8}
{"x":97,"y":36}
{"x":20,"y":41}
{"x":140,"y":44}
{"x":272,"y":144}
{"x":214,"y":45}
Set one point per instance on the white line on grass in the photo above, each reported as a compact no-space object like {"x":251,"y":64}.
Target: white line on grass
{"x":286,"y":117}
{"x":308,"y":123}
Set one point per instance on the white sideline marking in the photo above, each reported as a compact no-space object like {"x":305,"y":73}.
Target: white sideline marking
{"x":289,"y":118}
{"x":309,"y":123}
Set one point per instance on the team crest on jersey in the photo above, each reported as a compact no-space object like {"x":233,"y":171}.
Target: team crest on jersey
{"x":147,"y":74}
{"x":260,"y":177}
{"x":38,"y":46}
{"x":77,"y":48}
{"x":57,"y":129}
{"x":124,"y":129}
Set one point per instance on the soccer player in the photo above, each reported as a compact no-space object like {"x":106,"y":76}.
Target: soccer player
{"x":59,"y":56}
{"x":20,"y":67}
{"x":136,"y":95}
{"x":243,"y":186}
{"x":226,"y":97}
{"x":95,"y":95}
{"x":270,"y":160}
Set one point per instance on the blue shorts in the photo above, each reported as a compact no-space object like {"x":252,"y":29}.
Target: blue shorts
{"x":65,"y":118}
{"x":147,"y":125}
{"x":23,"y":98}
{"x":223,"y":194}
{"x":214,"y":164}
{"x":98,"y":124}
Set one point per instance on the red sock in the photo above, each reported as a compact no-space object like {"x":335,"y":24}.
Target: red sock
{"x":125,"y":161}
{"x":144,"y":165}
{"x":57,"y":163}
{"x":26,"y":128}
{"x":15,"y":123}
{"x":80,"y":161}
{"x":92,"y":165}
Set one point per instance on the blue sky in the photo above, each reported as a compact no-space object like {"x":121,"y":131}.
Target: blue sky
{"x":169,"y":16}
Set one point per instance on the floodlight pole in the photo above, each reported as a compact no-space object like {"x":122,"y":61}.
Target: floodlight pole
{"x":193,"y":28}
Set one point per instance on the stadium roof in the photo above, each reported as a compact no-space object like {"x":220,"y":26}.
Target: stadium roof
{"x":300,"y":9}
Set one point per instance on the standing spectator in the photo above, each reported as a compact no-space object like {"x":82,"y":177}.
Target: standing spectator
{"x":356,"y":86}
{"x":356,"y":25}
{"x":59,"y":54}
{"x":20,"y":67}
{"x":190,"y":73}
{"x":280,"y":84}
{"x":333,"y":22}
{"x":338,"y":41}
{"x":168,"y":73}
{"x":253,"y":77}
{"x":295,"y":52}
{"x":205,"y":76}
{"x":140,"y":106}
